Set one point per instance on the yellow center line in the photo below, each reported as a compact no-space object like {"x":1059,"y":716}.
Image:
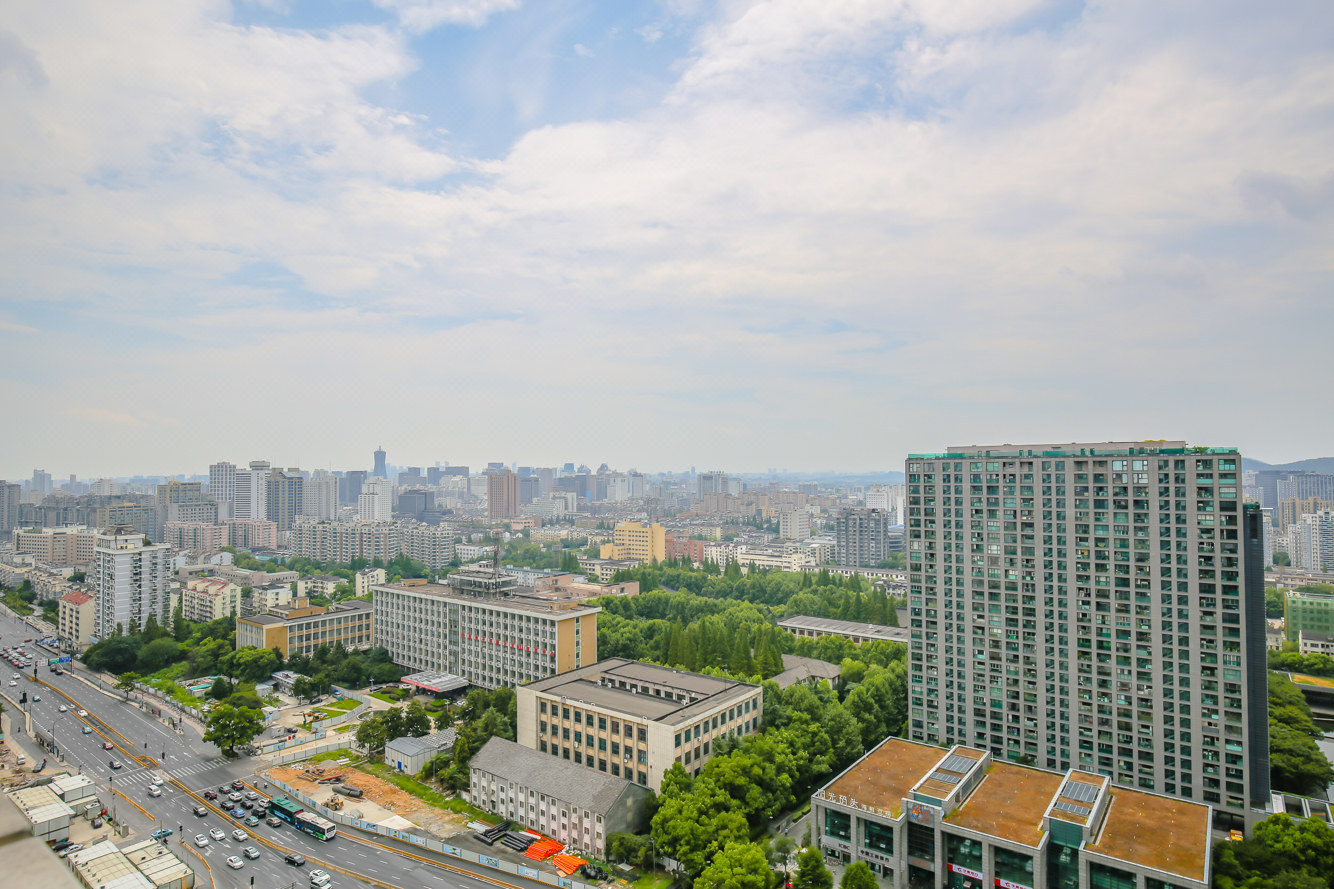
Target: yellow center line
{"x":202,"y":860}
{"x":133,"y":803}
{"x":146,"y":761}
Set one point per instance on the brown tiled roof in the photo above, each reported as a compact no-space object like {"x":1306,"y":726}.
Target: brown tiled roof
{"x":1009,"y":803}
{"x":1155,"y":831}
{"x":74,"y":597}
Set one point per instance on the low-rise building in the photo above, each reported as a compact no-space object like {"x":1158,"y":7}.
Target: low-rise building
{"x":605,"y":569}
{"x":559,"y":799}
{"x":157,"y":863}
{"x":46,"y":812}
{"x":1307,"y":612}
{"x":956,"y":818}
{"x":633,"y":720}
{"x":807,"y":671}
{"x":72,"y":545}
{"x":410,"y":755}
{"x":76,"y":618}
{"x":857,"y":631}
{"x":637,"y":541}
{"x":301,"y":627}
{"x":367,"y":578}
{"x":263,"y":600}
{"x":322,"y":585}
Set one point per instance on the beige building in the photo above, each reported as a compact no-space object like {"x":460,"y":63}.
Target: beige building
{"x":209,"y":598}
{"x":367,"y":578}
{"x":199,"y":537}
{"x":57,"y":546}
{"x":76,"y":618}
{"x":302,"y":627}
{"x":635,"y":540}
{"x":633,"y":720}
{"x":265,"y":599}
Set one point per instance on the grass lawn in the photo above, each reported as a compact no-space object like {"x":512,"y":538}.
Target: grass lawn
{"x":1303,"y":679}
{"x":176,"y":692}
{"x":655,"y":880}
{"x":419,"y":790}
{"x":334,"y":754}
{"x":388,"y":699}
{"x":345,"y":704}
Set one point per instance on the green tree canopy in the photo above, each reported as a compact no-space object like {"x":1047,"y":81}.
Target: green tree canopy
{"x":737,"y":866}
{"x":230,"y":727}
{"x":858,"y":875}
{"x":811,"y":872}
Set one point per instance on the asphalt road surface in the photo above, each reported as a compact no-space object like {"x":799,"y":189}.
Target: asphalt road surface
{"x":147,"y":749}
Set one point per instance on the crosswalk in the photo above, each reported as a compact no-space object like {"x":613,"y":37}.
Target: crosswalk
{"x":145,"y":776}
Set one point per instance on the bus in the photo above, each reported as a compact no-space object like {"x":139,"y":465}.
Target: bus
{"x":295,"y":815}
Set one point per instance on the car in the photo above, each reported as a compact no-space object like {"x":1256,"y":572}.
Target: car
{"x":251,"y":795}
{"x":115,"y":764}
{"x":210,"y":794}
{"x":240,"y":835}
{"x":217,"y":834}
{"x":83,"y":713}
{"x":238,"y":812}
{"x":247,"y":804}
{"x":87,"y":729}
{"x":200,"y":840}
{"x":13,"y":682}
{"x":69,"y":850}
{"x":154,"y":790}
{"x":161,"y":833}
{"x":238,"y":784}
{"x":235,"y":863}
{"x":58,"y":845}
{"x":107,"y":745}
{"x":250,"y":852}
{"x":36,"y":699}
{"x":234,"y":797}
{"x":97,"y":822}
{"x":252,"y":820}
{"x":295,"y":859}
{"x":273,"y":821}
{"x":64,"y":709}
{"x":200,"y":811}
{"x":226,"y":788}
{"x":319,"y":878}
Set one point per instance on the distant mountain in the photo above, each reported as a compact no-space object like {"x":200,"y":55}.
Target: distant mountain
{"x":1314,"y":464}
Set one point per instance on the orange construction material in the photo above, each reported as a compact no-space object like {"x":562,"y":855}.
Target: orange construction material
{"x":568,"y":864}
{"x":543,"y":849}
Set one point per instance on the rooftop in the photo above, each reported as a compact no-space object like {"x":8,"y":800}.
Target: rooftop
{"x":577,"y":785}
{"x":529,"y":604}
{"x":885,"y":775}
{"x":1155,"y":831}
{"x":408,"y":746}
{"x":844,"y":627}
{"x":1008,"y":803}
{"x":644,"y":690}
{"x":1077,"y":449}
{"x":436,"y":680}
{"x":76,"y":598}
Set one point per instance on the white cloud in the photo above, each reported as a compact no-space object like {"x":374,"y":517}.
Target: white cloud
{"x":423,"y":15}
{"x":582,"y":51}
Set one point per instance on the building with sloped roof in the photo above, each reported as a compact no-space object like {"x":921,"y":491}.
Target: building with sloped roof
{"x":562,"y":800}
{"x":807,"y":670}
{"x":410,"y":755}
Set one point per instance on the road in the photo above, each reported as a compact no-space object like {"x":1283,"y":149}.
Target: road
{"x":145,"y":749}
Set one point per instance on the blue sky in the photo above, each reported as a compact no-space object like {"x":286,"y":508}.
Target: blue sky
{"x":737,"y":234}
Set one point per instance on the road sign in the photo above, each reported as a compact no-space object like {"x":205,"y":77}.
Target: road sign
{"x":57,"y":660}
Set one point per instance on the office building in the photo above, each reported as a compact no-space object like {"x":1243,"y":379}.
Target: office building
{"x":10,"y":495}
{"x":319,"y":496}
{"x":209,"y":598}
{"x":180,"y":492}
{"x":861,"y":537}
{"x":559,"y":799}
{"x":283,"y":497}
{"x":376,"y":501}
{"x":250,"y":494}
{"x":634,"y":720}
{"x":1307,"y":612}
{"x":300,"y":628}
{"x":1095,"y":606}
{"x":1305,"y":486}
{"x":805,"y":626}
{"x":57,"y":546}
{"x":252,"y":534}
{"x":432,"y":545}
{"x":41,"y":482}
{"x":1310,"y":541}
{"x":636,"y":540}
{"x":711,"y":483}
{"x":502,"y":495}
{"x":222,"y":482}
{"x":349,"y":486}
{"x":76,"y":618}
{"x":137,"y":516}
{"x":1291,"y":510}
{"x":381,"y":469}
{"x":477,"y":628}
{"x":131,"y":577}
{"x":960,"y":818}
{"x":794,"y":524}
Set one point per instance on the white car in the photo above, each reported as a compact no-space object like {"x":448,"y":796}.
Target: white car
{"x":83,"y":712}
{"x":319,"y":878}
{"x":235,"y":863}
{"x":154,"y":790}
{"x":201,"y":840}
{"x":240,"y":835}
{"x":64,"y":709}
{"x":217,"y":834}
{"x":13,"y":682}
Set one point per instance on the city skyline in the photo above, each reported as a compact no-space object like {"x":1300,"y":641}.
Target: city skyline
{"x":662,"y":234}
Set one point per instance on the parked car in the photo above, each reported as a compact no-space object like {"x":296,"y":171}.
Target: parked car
{"x":69,"y":850}
{"x":97,"y":822}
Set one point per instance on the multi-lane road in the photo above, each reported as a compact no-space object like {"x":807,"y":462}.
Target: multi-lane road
{"x":85,"y":719}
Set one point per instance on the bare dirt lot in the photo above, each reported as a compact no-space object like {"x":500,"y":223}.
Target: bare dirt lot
{"x":381,"y":799}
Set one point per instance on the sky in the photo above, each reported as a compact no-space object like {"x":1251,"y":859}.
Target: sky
{"x":737,"y":234}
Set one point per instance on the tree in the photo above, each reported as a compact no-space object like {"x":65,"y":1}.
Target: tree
{"x":780,"y":853}
{"x":811,"y":872}
{"x":158,"y":653}
{"x":858,"y":875}
{"x":1274,"y":600}
{"x":371,"y":734}
{"x":737,"y":866}
{"x":416,"y":721}
{"x":126,"y":683}
{"x":220,"y":689}
{"x":180,"y":629}
{"x":307,"y":688}
{"x":230,"y":727}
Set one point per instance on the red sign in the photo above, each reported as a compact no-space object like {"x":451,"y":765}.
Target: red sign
{"x":1006,"y":884}
{"x":976,"y":875}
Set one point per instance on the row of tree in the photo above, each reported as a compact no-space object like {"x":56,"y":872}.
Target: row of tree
{"x":1296,"y":763}
{"x":1281,"y":854}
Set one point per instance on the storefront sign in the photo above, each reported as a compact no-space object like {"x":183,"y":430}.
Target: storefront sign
{"x":976,"y":875}
{"x":1006,"y":884}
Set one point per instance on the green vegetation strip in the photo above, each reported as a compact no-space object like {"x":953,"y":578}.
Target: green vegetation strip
{"x":418,"y":789}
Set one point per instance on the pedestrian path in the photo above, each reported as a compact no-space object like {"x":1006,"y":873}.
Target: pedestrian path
{"x":197,"y":768}
{"x":131,"y":777}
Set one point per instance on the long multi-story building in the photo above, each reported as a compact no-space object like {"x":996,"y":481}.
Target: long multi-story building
{"x":479,"y":629}
{"x":1307,"y":612}
{"x":636,"y":540}
{"x":319,"y":496}
{"x":131,"y":578}
{"x":861,"y":537}
{"x":1092,"y":606}
{"x":137,"y":516}
{"x":961,"y":818}
{"x":300,"y":628}
{"x":200,"y":537}
{"x":57,"y":546}
{"x":1310,"y":541}
{"x":222,"y":483}
{"x":345,"y":541}
{"x":1291,"y":510}
{"x":634,"y":720}
{"x":432,"y":545}
{"x":252,"y":533}
{"x":250,"y":493}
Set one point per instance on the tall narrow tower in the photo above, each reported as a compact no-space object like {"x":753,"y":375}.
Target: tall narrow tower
{"x":381,"y":470}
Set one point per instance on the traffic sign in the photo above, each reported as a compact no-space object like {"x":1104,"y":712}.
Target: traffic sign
{"x":57,"y":660}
